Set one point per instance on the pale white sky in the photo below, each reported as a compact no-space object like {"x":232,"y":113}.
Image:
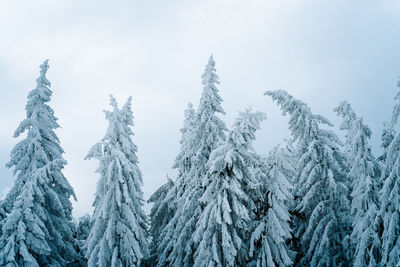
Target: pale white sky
{"x":320,"y":51}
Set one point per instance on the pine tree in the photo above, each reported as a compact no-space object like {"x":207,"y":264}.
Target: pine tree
{"x":365,"y":177}
{"x":177,"y":247}
{"x":165,"y":198}
{"x":160,"y":214}
{"x":320,"y":194}
{"x":82,"y":232}
{"x":271,"y":227}
{"x":165,"y":211}
{"x":389,"y":195}
{"x":183,"y":161}
{"x":119,"y":233}
{"x":38,"y":230}
{"x":83,"y":227}
{"x":222,"y":228}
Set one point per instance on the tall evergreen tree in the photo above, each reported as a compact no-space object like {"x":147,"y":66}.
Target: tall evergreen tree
{"x":389,"y":195}
{"x":38,"y":230}
{"x":271,"y":226}
{"x":183,"y":161}
{"x":119,"y":233}
{"x":165,"y":198}
{"x":222,"y":228}
{"x":321,"y":193}
{"x":177,"y":246}
{"x":168,"y":206}
{"x":365,"y":177}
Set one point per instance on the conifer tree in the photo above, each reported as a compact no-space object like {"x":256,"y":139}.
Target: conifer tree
{"x":364,"y":174}
{"x":119,"y":233}
{"x":82,"y":232}
{"x":160,"y":214}
{"x":222,"y":228}
{"x":177,"y":245}
{"x":83,"y":227}
{"x":271,"y":226}
{"x":320,"y":194}
{"x":389,"y":195}
{"x":165,"y":198}
{"x":39,"y":228}
{"x":166,"y":210}
{"x":183,"y":161}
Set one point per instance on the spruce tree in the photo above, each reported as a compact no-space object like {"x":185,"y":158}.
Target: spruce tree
{"x":118,"y":236}
{"x":82,"y":232}
{"x":271,"y":229}
{"x":320,"y":193}
{"x":177,"y":246}
{"x":165,"y":198}
{"x":178,"y":192}
{"x":183,"y":161}
{"x":365,"y":180}
{"x":389,"y":195}
{"x":39,"y":228}
{"x":160,"y":214}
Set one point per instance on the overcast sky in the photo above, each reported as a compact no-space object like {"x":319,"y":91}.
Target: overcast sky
{"x":320,"y":51}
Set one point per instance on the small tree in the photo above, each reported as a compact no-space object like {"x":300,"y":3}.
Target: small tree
{"x":321,"y":201}
{"x":165,"y":198}
{"x":38,"y":230}
{"x":119,"y":233}
{"x":365,"y":176}
{"x":271,"y":228}
{"x":389,"y":195}
{"x":82,"y":232}
{"x":160,"y":214}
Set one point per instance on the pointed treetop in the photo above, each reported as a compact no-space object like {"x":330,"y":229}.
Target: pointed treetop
{"x":210,"y":76}
{"x":44,"y":67}
{"x":42,"y":80}
{"x":388,"y":134}
{"x":189,"y":112}
{"x":113,"y":103}
{"x":127,"y":109}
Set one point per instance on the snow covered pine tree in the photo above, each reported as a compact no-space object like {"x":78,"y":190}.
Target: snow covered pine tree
{"x":271,"y":226}
{"x":176,"y":247}
{"x":165,"y":198}
{"x":365,"y":185}
{"x":222,"y":228}
{"x":82,"y":233}
{"x":38,"y":230}
{"x":321,"y":193}
{"x":119,"y":233}
{"x":389,"y":197}
{"x":160,"y":214}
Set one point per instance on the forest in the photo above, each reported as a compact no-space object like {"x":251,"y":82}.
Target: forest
{"x":315,"y":200}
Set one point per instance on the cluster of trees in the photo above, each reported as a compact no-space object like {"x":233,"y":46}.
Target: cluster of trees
{"x":313,"y":201}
